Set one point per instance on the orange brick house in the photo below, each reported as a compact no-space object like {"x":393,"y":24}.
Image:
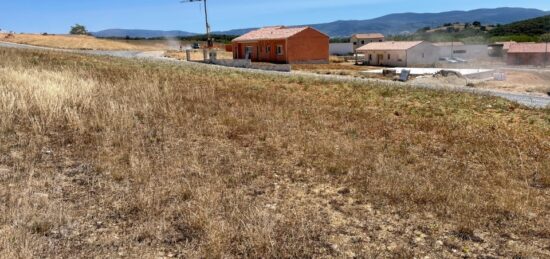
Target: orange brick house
{"x":283,"y":45}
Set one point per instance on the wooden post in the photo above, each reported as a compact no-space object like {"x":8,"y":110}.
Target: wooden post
{"x":188,"y":55}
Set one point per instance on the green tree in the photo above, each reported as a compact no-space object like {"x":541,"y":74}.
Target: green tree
{"x":78,"y":29}
{"x":476,"y":24}
{"x":545,"y":37}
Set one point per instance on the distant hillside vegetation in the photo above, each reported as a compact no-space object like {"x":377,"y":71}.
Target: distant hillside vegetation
{"x":531,"y":27}
{"x":470,"y":32}
{"x":407,"y":23}
{"x":392,"y":24}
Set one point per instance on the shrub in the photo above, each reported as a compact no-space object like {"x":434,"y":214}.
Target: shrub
{"x":78,"y":29}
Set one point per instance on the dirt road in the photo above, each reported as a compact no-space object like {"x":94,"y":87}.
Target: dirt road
{"x":521,"y":98}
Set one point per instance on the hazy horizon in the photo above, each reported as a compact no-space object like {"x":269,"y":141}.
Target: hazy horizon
{"x":34,"y":16}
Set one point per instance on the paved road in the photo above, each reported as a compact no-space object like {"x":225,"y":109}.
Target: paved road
{"x":530,"y":100}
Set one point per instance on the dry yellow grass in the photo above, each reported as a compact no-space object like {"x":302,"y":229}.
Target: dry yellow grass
{"x":80,"y":42}
{"x":104,"y":157}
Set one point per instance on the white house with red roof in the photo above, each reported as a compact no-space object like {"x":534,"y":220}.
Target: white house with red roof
{"x":361,"y":39}
{"x":400,"y":53}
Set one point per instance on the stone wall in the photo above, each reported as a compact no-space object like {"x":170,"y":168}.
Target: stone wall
{"x":245,"y":63}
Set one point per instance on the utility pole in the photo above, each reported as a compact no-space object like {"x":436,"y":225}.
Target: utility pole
{"x":546,"y":39}
{"x":210,"y":42}
{"x":546,"y":54}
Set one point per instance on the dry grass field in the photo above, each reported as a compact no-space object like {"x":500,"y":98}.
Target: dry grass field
{"x":336,"y":68}
{"x":197,"y":55}
{"x":82,"y":42}
{"x":110,"y":158}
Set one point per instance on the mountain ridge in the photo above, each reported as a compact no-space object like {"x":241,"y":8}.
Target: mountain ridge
{"x":390,"y":24}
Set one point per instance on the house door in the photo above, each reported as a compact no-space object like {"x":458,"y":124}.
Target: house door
{"x":248,"y":50}
{"x":379,"y":59}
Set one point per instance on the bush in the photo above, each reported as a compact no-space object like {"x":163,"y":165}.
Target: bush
{"x":516,"y":38}
{"x":78,"y":29}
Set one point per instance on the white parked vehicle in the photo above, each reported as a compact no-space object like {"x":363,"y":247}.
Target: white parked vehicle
{"x":449,"y":60}
{"x":460,"y":60}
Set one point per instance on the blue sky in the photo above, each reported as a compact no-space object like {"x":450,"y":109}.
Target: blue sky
{"x":56,"y":16}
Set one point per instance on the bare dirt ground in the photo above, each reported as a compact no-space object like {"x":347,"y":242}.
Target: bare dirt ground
{"x":337,"y":68}
{"x":533,"y":81}
{"x":522,"y":81}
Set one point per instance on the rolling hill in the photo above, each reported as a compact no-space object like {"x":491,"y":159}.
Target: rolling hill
{"x":121,"y":33}
{"x":531,"y":27}
{"x":400,"y":23}
{"x":410,"y":22}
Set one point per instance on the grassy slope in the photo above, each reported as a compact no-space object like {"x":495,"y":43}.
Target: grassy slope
{"x":80,"y":42}
{"x":109,"y":157}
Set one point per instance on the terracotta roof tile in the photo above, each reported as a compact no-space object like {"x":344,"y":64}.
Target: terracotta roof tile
{"x":390,"y":45}
{"x":528,"y":48}
{"x":271,"y":33}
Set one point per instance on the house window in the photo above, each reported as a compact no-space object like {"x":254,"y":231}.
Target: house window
{"x":459,"y":52}
{"x":422,"y":55}
{"x":370,"y":57}
{"x":279,"y":50}
{"x":363,"y":42}
{"x":355,"y":43}
{"x":268,"y":49}
{"x":379,"y":40}
{"x":389,"y":56}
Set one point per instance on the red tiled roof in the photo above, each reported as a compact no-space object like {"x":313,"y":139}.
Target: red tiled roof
{"x":271,"y":33}
{"x":529,"y":48}
{"x":390,"y":45}
{"x":506,"y":44}
{"x":368,"y":35}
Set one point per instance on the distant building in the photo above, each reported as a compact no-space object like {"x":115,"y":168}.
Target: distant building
{"x":361,"y":39}
{"x":400,"y":53}
{"x":283,"y":45}
{"x":528,"y":54}
{"x":460,"y":50}
{"x":500,"y":49}
{"x":341,"y":49}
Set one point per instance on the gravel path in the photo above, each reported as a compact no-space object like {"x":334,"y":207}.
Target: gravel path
{"x":534,"y":101}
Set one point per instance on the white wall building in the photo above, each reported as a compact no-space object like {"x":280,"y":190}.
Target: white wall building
{"x":341,"y":49}
{"x":461,"y":50}
{"x":400,"y":53}
{"x":362,"y":39}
